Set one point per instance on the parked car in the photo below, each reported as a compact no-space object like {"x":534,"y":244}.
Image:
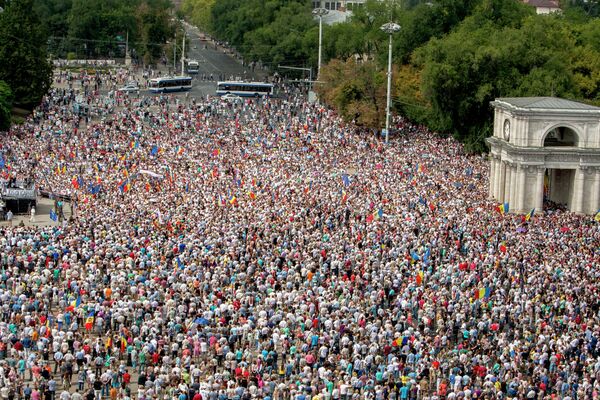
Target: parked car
{"x":130,"y":88}
{"x":231,"y":97}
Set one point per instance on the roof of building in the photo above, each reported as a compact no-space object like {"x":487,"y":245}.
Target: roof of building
{"x":335,"y":17}
{"x":543,"y":3}
{"x":552,"y":103}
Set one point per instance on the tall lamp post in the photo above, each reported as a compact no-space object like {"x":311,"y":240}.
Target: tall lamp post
{"x":320,"y":12}
{"x":390,"y":28}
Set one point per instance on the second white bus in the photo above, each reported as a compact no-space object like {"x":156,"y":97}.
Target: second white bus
{"x":247,"y":89}
{"x":170,"y":84}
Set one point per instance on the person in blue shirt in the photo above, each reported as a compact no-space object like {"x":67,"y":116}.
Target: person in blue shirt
{"x":404,"y":392}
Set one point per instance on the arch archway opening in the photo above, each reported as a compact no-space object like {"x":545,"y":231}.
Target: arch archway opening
{"x":561,"y":136}
{"x":558,"y":188}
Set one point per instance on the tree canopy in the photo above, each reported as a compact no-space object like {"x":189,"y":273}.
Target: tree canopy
{"x":5,"y":106}
{"x":99,"y":28}
{"x":25,"y":67}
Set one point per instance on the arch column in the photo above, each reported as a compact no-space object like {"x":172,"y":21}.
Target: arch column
{"x":596,"y":191}
{"x":578,"y":188}
{"x":539,"y":188}
{"x":492,"y":178}
{"x":507,"y":183}
{"x":500,"y":175}
{"x":521,"y":188}
{"x":514,"y":186}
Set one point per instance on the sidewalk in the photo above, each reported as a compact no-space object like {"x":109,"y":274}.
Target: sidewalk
{"x":42,"y":214}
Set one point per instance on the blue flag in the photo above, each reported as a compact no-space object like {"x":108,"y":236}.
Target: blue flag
{"x":53,"y":216}
{"x":414,"y":255}
{"x":426,"y":255}
{"x":154,"y":150}
{"x":346,"y":180}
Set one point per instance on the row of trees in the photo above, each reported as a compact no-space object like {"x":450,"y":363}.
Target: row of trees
{"x":451,"y":57}
{"x":100,"y":28}
{"x":25,"y":71}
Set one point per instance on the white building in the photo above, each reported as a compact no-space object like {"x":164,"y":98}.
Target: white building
{"x":338,"y":5}
{"x":545,"y":148}
{"x":544,"y":6}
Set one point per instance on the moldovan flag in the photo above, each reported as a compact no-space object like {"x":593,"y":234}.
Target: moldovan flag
{"x":502,"y":247}
{"x":503,"y":208}
{"x":89,"y":323}
{"x":252,"y":195}
{"x":530,"y":214}
{"x":344,"y":196}
{"x":233,"y":200}
{"x":597,"y":216}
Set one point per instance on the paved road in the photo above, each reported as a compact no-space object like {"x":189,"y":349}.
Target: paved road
{"x":215,"y":60}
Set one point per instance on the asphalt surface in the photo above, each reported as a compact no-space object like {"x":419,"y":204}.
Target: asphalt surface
{"x":216,"y":60}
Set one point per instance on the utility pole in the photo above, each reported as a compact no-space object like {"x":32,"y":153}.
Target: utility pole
{"x":390,"y":28}
{"x":320,"y":12}
{"x":127,"y":58}
{"x":175,"y":55}
{"x":183,"y":56}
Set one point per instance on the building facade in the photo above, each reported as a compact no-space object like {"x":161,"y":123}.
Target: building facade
{"x":339,"y":5}
{"x":544,"y":6}
{"x":545,"y":149}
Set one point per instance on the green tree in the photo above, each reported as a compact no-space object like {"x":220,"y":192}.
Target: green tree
{"x":6,"y":98}
{"x":356,"y":90}
{"x":54,"y":15}
{"x":25,"y":66}
{"x":507,"y":52}
{"x":281,"y":39}
{"x":199,"y":13}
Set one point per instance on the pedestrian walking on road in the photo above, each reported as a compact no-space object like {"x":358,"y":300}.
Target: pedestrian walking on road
{"x":32,"y":215}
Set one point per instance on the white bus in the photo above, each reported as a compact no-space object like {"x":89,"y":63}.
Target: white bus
{"x":170,"y":84}
{"x":193,"y":67}
{"x":247,"y":89}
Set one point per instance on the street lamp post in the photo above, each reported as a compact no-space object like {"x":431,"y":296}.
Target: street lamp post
{"x":320,"y":12}
{"x":390,"y":28}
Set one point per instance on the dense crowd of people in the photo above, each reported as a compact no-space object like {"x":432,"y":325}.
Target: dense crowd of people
{"x":265,"y":249}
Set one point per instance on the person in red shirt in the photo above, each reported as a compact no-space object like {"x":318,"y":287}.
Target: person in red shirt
{"x":125,"y":379}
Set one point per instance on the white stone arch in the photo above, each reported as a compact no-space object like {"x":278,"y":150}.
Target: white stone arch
{"x":520,"y":164}
{"x":575,"y":129}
